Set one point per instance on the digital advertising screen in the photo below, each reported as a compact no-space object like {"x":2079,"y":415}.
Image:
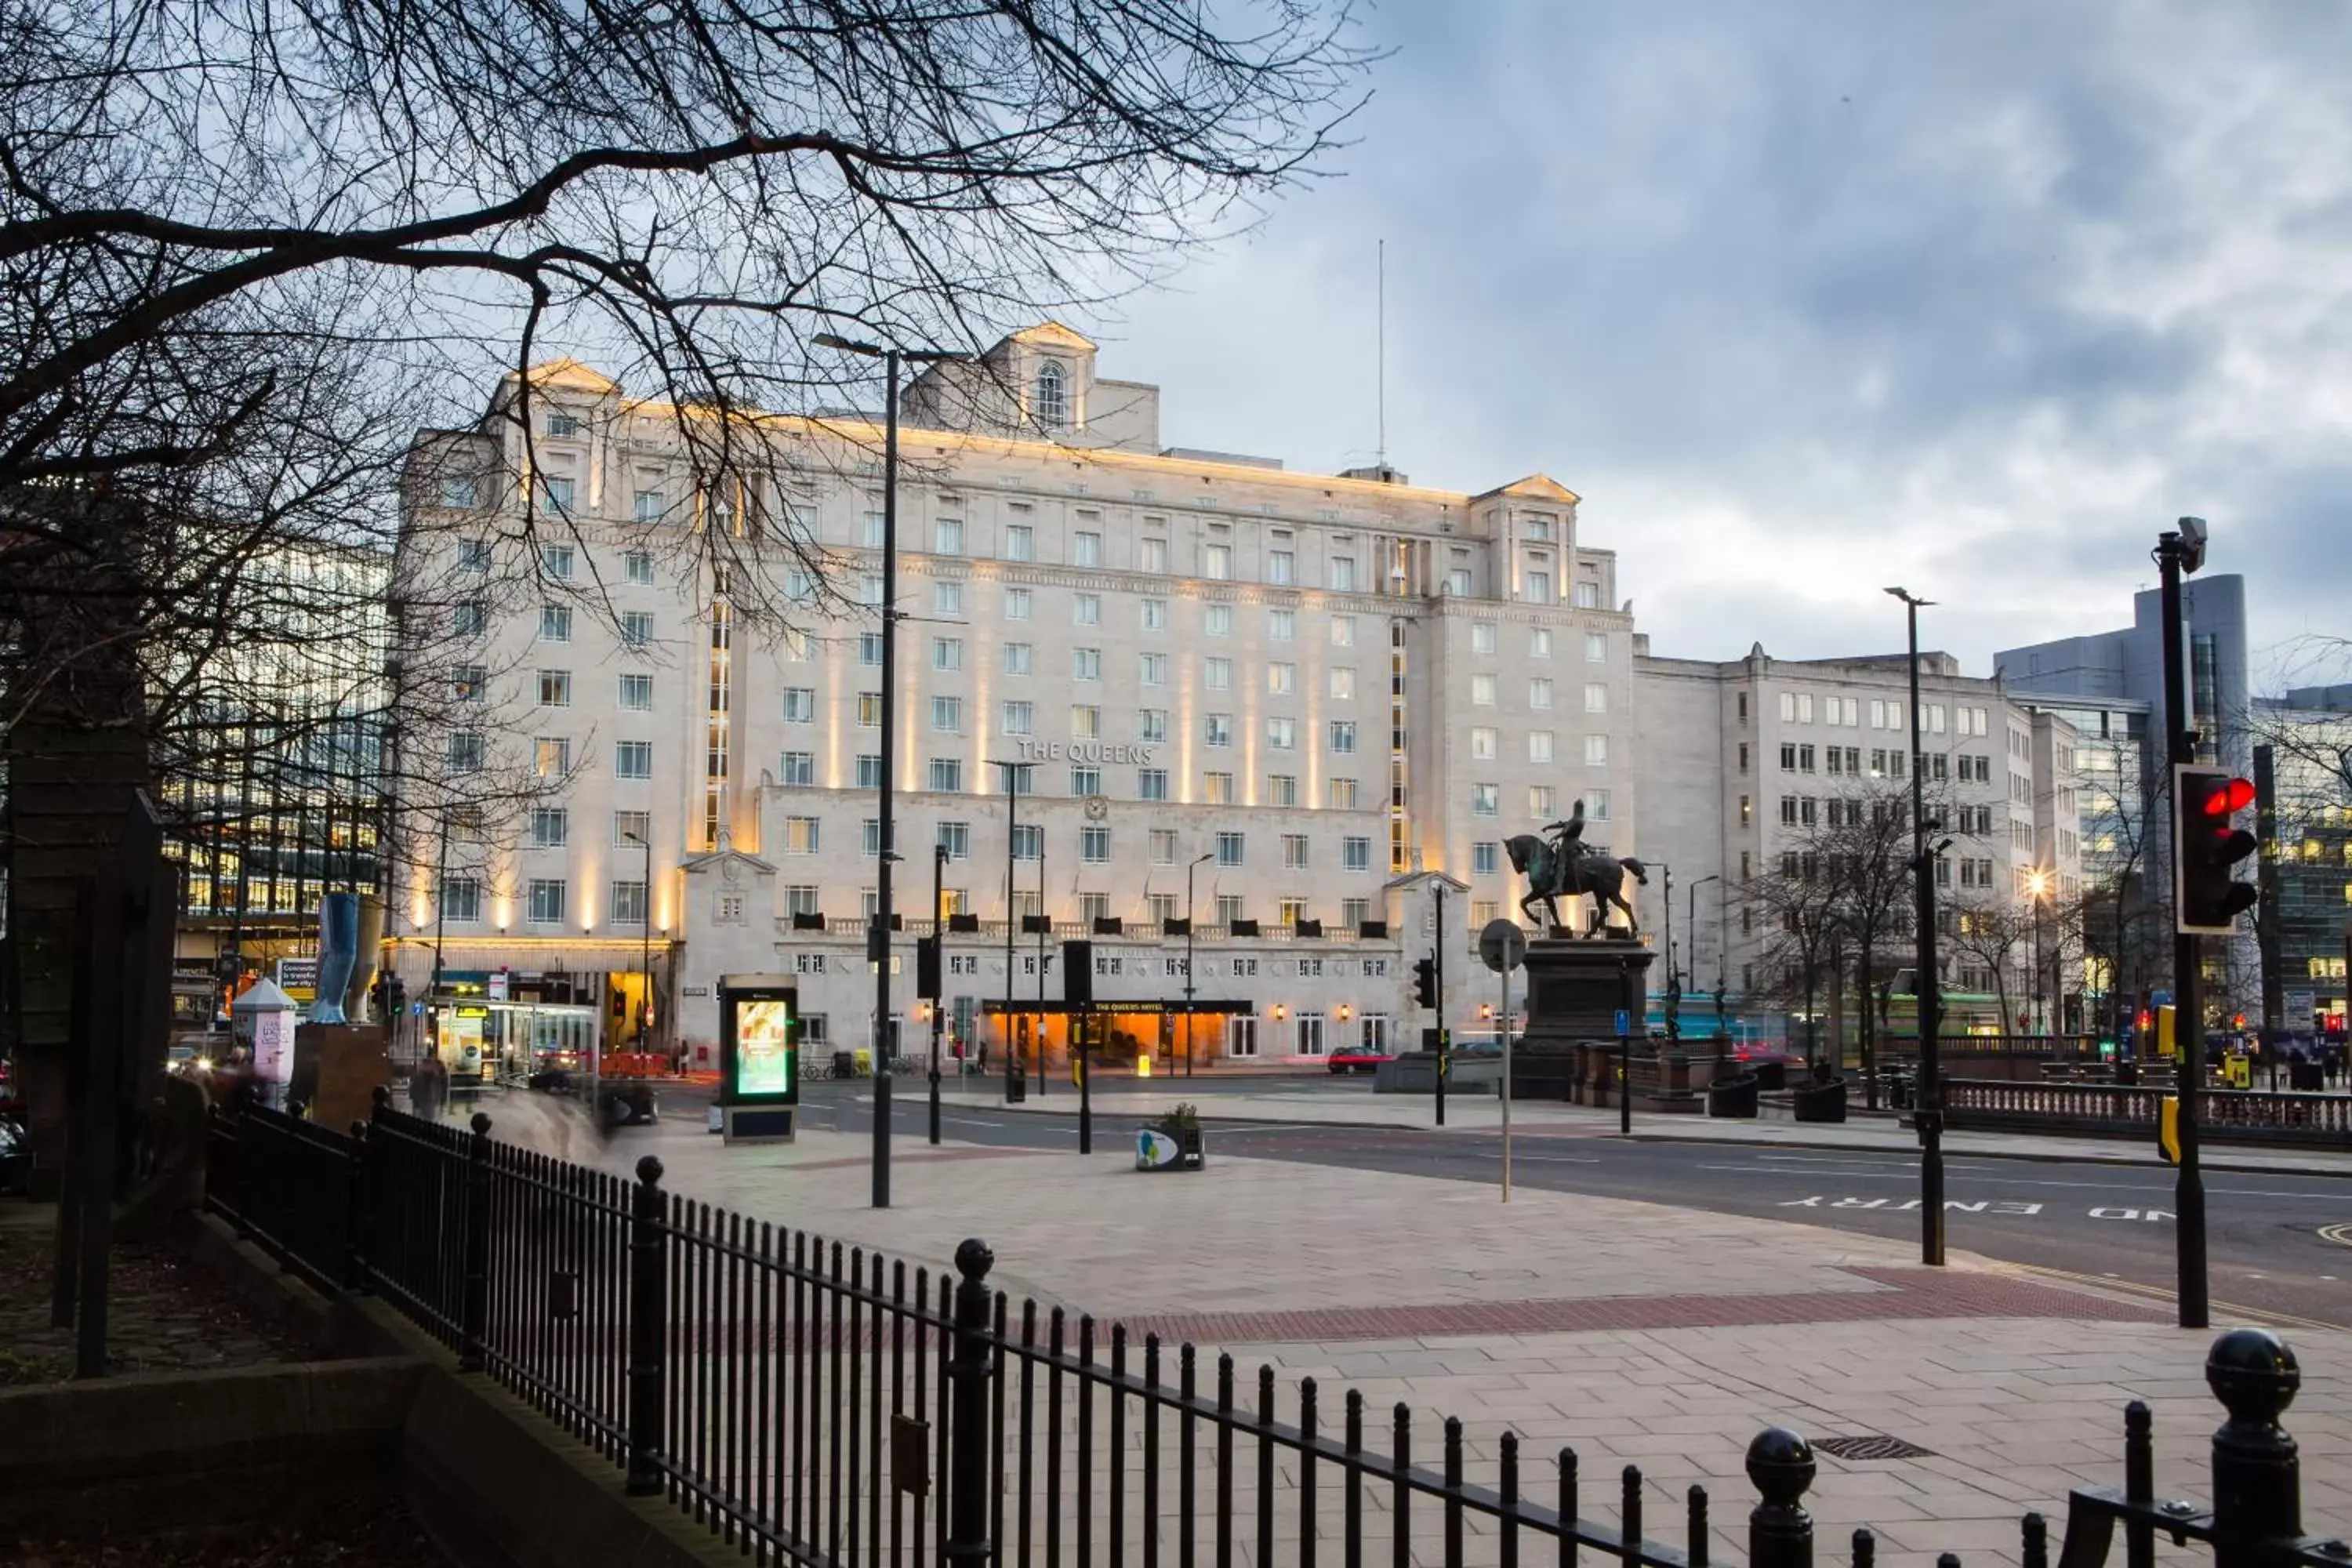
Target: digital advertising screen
{"x":759,"y":1045}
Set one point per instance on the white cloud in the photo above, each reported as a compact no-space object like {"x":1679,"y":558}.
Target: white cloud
{"x":1807,"y":299}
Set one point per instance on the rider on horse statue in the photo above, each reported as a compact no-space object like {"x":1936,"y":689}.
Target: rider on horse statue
{"x":1568,"y":837}
{"x":1561,"y":866}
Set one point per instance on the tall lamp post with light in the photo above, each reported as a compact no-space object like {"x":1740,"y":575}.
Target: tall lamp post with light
{"x":1927,"y":1107}
{"x":877,"y":938}
{"x":2038,"y":883}
{"x":1014,"y":1087}
{"x":1191,"y":1041}
{"x":1691,"y":902}
{"x":645,"y":955}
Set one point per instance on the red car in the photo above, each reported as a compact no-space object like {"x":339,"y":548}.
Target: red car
{"x":1356,"y":1058}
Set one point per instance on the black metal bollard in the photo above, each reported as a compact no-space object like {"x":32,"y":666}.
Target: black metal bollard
{"x":356,"y":1212}
{"x":474,"y":1306}
{"x":1779,"y":1531}
{"x":648,"y":1263}
{"x":2035,"y":1532}
{"x":2257,"y":1478}
{"x":967,"y":1437}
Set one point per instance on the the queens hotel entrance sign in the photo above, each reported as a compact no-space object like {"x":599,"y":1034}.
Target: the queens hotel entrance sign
{"x":1097,"y":752}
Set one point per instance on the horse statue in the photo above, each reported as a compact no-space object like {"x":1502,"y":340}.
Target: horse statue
{"x":1551,"y":875}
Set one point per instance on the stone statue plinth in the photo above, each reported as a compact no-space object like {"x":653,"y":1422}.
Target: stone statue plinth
{"x":1574,"y":990}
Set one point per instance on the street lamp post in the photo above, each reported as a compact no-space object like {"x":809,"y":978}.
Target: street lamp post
{"x":877,"y":941}
{"x":939,"y":987}
{"x":2037,"y":890}
{"x":646,"y":952}
{"x":1928,"y":1110}
{"x":1674,"y":996}
{"x":1012,"y":921}
{"x":1189,"y":1043}
{"x":1691,"y":899}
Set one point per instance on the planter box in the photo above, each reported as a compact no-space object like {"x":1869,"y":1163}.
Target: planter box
{"x":1159,"y":1150}
{"x":1734,"y":1097}
{"x":1821,"y":1102}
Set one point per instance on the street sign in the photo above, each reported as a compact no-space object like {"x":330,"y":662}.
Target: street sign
{"x":1625,"y":1022}
{"x":1503,"y":945}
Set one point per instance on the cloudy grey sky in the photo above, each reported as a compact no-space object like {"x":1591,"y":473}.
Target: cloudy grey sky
{"x":1808,"y":298}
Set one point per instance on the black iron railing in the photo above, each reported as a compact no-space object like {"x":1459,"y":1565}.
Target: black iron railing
{"x":813,"y":1403}
{"x":2223,"y":1115}
{"x":290,"y":1186}
{"x":2256,"y":1516}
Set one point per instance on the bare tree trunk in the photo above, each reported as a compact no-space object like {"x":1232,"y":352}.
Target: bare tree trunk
{"x":1863,"y":975}
{"x":75,"y":755}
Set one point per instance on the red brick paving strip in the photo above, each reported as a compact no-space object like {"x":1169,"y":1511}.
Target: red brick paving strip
{"x":1909,"y":1293}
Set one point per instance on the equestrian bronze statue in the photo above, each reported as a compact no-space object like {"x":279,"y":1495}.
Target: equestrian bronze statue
{"x":1561,"y":866}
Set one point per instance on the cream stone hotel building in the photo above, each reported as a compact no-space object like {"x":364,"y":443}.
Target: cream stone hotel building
{"x":1322,"y":701}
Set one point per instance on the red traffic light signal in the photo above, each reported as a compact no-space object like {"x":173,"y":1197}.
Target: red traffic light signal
{"x":2207,"y":899}
{"x":2232,"y":795}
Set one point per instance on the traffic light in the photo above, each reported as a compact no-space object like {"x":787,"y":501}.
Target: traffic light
{"x":1424,"y":983}
{"x":2207,"y":844}
{"x":927,"y":967}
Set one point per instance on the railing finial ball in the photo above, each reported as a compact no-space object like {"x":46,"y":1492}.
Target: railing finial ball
{"x":2253,"y":1373}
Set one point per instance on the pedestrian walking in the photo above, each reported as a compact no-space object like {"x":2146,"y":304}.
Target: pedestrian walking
{"x":429,"y":1088}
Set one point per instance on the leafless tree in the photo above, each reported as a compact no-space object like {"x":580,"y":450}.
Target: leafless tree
{"x":1797,"y":911}
{"x":232,"y":240}
{"x":1843,"y":890}
{"x":1990,"y":927}
{"x":2122,"y":915}
{"x":685,"y":197}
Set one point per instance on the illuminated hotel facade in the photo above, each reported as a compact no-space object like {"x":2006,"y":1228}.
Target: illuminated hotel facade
{"x":1324,"y":697}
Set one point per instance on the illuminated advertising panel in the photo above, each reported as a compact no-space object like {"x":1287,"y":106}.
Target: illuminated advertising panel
{"x":759,"y":1041}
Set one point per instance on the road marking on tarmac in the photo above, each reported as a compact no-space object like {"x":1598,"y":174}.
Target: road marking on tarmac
{"x":2025,"y":1181}
{"x":2013,"y":1207}
{"x":2341,"y":1235}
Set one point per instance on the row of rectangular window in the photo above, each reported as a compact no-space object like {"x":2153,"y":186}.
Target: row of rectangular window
{"x":805,"y":835}
{"x":1801,"y":707}
{"x":1484,"y":639}
{"x":546,"y":901}
{"x":1486,"y":691}
{"x":1018,"y":544}
{"x":471,"y":619}
{"x":558,"y":562}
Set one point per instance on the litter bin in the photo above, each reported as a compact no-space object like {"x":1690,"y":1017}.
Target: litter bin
{"x":844,"y":1063}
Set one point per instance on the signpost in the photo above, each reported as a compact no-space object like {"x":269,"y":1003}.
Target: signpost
{"x":1624,"y":1052}
{"x":759,"y":1057}
{"x":1504,"y":947}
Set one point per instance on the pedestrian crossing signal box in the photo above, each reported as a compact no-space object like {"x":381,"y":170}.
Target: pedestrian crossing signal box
{"x":2164,"y":1045}
{"x":2167,"y":1129}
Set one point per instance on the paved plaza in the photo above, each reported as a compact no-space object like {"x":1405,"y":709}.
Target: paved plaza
{"x":1273,"y":1099}
{"x":1638,"y":1333}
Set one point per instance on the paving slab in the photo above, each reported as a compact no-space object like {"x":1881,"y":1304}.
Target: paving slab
{"x":1636,"y":1332}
